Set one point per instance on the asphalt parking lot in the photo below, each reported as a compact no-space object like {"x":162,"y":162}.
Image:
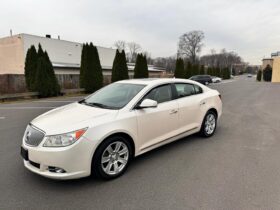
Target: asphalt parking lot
{"x":238,"y":168}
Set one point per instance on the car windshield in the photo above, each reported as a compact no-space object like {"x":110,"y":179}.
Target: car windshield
{"x":114,"y":96}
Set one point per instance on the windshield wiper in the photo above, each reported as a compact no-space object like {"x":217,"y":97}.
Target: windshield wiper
{"x":99,"y":105}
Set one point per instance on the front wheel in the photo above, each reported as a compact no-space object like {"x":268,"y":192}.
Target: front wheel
{"x":112,"y":157}
{"x":209,"y":124}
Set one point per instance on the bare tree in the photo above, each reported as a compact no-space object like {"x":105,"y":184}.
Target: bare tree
{"x":167,"y":63}
{"x":133,"y":49}
{"x":120,"y":45}
{"x":148,"y":57}
{"x":222,"y":59}
{"x":190,"y":44}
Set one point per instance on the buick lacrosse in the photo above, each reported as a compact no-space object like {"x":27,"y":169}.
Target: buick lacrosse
{"x":102,"y":133}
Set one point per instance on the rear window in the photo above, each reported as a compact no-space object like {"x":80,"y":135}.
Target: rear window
{"x":184,"y":89}
{"x":198,"y":89}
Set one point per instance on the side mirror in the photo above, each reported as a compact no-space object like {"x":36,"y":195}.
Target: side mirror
{"x":148,"y":103}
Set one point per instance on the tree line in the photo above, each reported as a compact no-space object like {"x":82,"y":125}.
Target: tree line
{"x":187,"y":70}
{"x":40,"y":75}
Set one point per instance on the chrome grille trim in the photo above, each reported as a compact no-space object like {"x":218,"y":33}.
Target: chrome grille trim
{"x":33,"y":136}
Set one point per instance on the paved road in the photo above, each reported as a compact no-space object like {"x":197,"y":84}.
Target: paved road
{"x":238,"y":168}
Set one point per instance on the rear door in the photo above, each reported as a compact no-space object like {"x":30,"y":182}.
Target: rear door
{"x":191,"y":104}
{"x":160,"y":123}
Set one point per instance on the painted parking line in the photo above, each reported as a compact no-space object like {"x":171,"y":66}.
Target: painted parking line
{"x":2,"y":118}
{"x":27,"y":107}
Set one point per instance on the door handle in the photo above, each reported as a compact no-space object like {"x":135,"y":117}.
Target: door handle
{"x":202,"y":103}
{"x":173,"y":111}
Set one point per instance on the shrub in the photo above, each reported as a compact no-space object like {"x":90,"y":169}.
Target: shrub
{"x":267,"y":73}
{"x":259,"y":75}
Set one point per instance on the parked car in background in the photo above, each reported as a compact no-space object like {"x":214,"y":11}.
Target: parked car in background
{"x":216,"y":79}
{"x":203,"y":79}
{"x":102,"y":133}
{"x":249,"y":75}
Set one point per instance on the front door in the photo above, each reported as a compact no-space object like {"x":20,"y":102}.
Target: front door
{"x":160,"y":123}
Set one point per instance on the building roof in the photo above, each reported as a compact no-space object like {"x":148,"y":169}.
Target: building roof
{"x":64,"y":53}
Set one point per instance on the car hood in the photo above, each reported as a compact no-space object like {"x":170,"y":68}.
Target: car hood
{"x":72,"y":117}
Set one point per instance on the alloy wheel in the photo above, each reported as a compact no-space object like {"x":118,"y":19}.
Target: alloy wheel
{"x":210,"y":124}
{"x":114,"y":158}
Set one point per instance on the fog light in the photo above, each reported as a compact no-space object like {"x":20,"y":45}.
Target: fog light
{"x":56,"y":169}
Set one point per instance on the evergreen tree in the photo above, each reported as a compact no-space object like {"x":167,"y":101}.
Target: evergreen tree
{"x":188,"y":70}
{"x":53,"y":82}
{"x":179,"y":69}
{"x":141,"y":67}
{"x":259,"y":75}
{"x":45,"y":81}
{"x":30,"y":67}
{"x":195,"y":70}
{"x":202,"y":70}
{"x":225,"y":74}
{"x":83,"y":65}
{"x":120,"y":70}
{"x":267,"y":73}
{"x":40,"y":52}
{"x":124,"y":72}
{"x":93,"y":77}
{"x":42,"y":78}
{"x":145,"y":70}
{"x":210,"y":71}
{"x":233,"y":71}
{"x":217,"y":72}
{"x":116,"y":68}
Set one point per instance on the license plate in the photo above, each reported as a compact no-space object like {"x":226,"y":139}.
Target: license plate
{"x":24,"y":153}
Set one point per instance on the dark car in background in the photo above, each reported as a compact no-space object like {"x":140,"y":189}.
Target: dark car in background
{"x":203,"y":79}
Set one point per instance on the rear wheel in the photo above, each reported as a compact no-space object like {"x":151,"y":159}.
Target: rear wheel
{"x":112,"y":157}
{"x":209,"y":124}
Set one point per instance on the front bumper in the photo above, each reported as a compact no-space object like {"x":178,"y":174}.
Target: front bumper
{"x":75,"y":159}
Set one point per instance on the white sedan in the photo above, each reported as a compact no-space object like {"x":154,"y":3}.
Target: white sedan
{"x":216,"y":79}
{"x":102,"y":133}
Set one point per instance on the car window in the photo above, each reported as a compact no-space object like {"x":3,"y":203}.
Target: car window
{"x":198,"y":89}
{"x":184,"y":89}
{"x":160,"y":94}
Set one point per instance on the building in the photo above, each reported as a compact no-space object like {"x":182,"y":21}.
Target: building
{"x":274,"y":62}
{"x":64,"y":55}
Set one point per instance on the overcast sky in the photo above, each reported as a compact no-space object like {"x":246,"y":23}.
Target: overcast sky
{"x":249,"y":27}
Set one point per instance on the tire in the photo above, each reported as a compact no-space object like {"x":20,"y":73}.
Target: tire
{"x":115,"y":160}
{"x":209,"y":120}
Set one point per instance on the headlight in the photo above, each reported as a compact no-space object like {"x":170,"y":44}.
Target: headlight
{"x":63,"y":140}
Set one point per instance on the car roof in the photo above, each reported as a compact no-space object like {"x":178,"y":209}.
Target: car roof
{"x":155,"y":81}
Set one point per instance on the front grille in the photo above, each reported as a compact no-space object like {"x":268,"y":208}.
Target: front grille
{"x":33,"y":136}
